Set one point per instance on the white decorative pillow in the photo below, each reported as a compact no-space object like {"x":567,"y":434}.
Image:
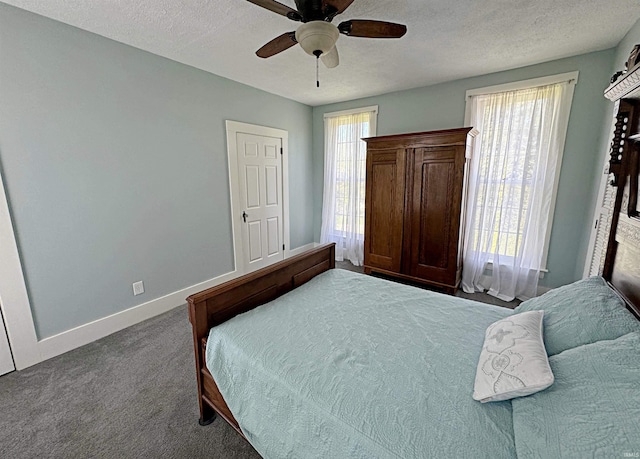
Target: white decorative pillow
{"x":513,"y":362}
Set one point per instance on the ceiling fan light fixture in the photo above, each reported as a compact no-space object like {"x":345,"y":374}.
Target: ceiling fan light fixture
{"x":317,"y":36}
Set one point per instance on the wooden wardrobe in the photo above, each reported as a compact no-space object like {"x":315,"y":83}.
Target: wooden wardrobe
{"x":414,"y":216}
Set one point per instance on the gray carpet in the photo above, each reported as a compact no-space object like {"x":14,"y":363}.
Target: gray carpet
{"x":132,"y":394}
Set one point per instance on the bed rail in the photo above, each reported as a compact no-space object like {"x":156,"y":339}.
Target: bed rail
{"x":218,"y":304}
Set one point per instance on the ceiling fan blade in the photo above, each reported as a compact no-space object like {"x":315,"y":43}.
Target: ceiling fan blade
{"x":277,"y":45}
{"x":335,"y":7}
{"x":372,"y":29}
{"x":331,"y":59}
{"x":279,"y":8}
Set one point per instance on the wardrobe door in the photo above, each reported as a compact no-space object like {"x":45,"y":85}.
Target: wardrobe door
{"x":434,"y":220}
{"x":384,"y":208}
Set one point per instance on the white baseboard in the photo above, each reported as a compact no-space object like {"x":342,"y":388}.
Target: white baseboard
{"x":92,"y":331}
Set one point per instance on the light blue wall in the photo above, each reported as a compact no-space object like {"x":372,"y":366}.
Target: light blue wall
{"x":114,"y":162}
{"x":442,"y":106}
{"x":115,"y":166}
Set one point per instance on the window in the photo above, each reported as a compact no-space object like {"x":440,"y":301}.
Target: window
{"x":513,"y":159}
{"x":351,"y":163}
{"x":344,"y":180}
{"x":513,"y":179}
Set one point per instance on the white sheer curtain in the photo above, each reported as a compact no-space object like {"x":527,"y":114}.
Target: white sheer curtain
{"x":344,"y":183}
{"x":511,"y":186}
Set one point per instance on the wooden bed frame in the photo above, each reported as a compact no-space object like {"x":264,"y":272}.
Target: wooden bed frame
{"x":219,"y":304}
{"x":621,"y":268}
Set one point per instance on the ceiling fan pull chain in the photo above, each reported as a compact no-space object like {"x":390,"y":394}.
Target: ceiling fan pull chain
{"x":317,"y":71}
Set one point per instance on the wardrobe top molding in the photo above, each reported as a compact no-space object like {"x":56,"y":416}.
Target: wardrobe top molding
{"x":422,"y":139}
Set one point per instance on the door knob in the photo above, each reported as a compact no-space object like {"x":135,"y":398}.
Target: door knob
{"x":244,"y":216}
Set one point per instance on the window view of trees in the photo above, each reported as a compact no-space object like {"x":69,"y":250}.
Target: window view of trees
{"x":351,"y":163}
{"x":508,"y":168}
{"x":345,"y":166}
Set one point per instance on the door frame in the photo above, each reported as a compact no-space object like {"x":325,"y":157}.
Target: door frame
{"x":14,"y":299}
{"x":6,"y":357}
{"x":232,"y":130}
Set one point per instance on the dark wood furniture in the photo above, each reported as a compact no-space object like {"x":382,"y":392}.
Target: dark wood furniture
{"x":622,"y":261}
{"x":415,"y":196}
{"x":218,"y":304}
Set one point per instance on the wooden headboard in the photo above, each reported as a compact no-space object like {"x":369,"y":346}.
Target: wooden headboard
{"x":622,"y":262}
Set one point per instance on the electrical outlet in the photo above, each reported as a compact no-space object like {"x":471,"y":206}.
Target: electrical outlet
{"x":138,"y":288}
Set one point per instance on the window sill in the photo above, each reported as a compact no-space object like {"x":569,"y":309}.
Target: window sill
{"x":489,"y":267}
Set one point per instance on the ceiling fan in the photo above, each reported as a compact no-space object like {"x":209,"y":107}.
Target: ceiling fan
{"x":317,"y":36}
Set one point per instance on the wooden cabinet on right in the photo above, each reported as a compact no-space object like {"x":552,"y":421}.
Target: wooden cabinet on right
{"x":414,"y":215}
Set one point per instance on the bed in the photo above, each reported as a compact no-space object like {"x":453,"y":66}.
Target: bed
{"x":310,"y":361}
{"x":340,"y":364}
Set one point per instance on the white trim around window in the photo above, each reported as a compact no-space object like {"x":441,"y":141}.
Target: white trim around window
{"x":571,"y":77}
{"x":353,"y":111}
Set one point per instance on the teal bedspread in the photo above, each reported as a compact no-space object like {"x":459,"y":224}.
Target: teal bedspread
{"x":350,"y":366}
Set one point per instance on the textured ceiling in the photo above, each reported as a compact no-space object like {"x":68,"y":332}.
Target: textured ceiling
{"x":446,"y":40}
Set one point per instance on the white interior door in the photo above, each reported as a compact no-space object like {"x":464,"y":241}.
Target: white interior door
{"x":6,"y":360}
{"x":260,"y":189}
